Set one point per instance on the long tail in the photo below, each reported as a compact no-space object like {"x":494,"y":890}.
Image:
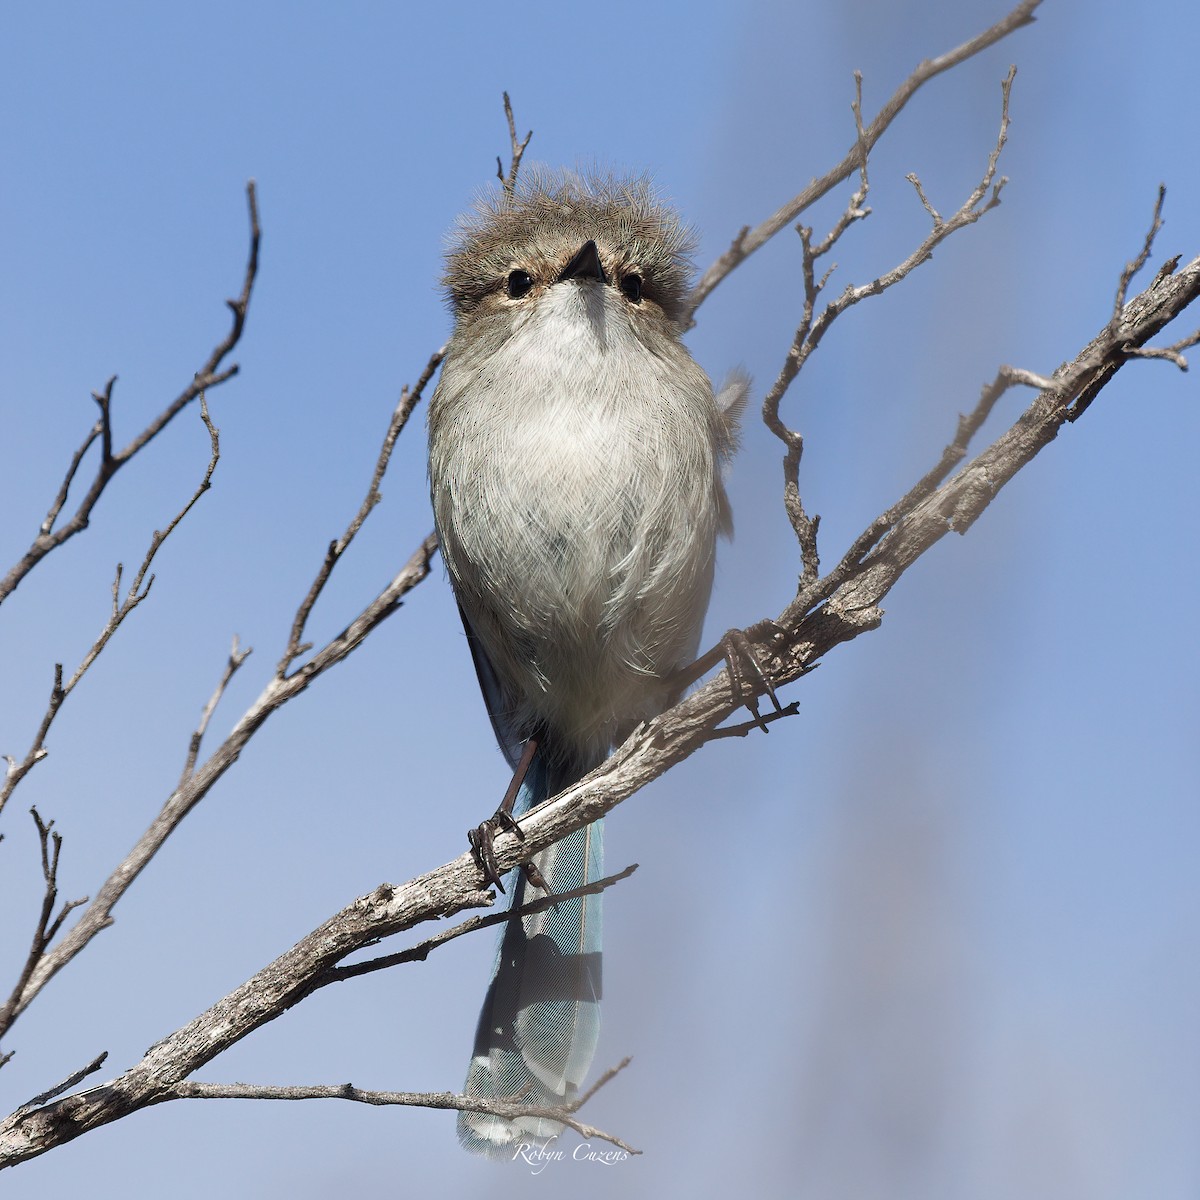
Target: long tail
{"x":541,"y":1016}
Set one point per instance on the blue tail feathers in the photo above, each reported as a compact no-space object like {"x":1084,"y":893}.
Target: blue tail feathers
{"x":541,"y":1017}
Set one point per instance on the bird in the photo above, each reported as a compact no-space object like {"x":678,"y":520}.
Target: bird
{"x":576,"y":460}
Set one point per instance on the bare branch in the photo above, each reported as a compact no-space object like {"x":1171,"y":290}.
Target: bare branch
{"x":1171,"y":353}
{"x":420,"y":952}
{"x":266,"y":996}
{"x":812,"y":630}
{"x":195,"y":783}
{"x":509,"y":180}
{"x":210,"y":375}
{"x":409,"y":398}
{"x":749,"y":240}
{"x":234,"y":661}
{"x":138,"y":591}
{"x":98,"y":915}
{"x":1174,"y":352}
{"x":46,"y":928}
{"x":856,"y":210}
{"x":933,"y":508}
{"x":270,"y":993}
{"x":17,"y":771}
{"x":952,"y":455}
{"x":70,"y":1081}
{"x":95,"y":431}
{"x":443,"y":1100}
{"x":811,"y":331}
{"x":1143,"y":255}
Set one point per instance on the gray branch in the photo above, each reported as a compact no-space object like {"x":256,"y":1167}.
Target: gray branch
{"x":751,"y":239}
{"x":811,"y":628}
{"x":827,"y":610}
{"x":210,"y":375}
{"x":137,"y":592}
{"x":192,"y":789}
{"x":511,"y":1110}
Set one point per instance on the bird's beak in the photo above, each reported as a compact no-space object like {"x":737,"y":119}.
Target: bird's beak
{"x":585,"y":265}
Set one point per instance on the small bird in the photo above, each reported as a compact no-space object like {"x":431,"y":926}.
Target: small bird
{"x":575,"y":459}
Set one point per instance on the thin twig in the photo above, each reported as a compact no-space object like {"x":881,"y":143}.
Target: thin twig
{"x":749,"y":240}
{"x":1171,"y":353}
{"x":236,"y":657}
{"x":409,"y":398}
{"x":812,"y":330}
{"x":968,"y":426}
{"x":517,"y":151}
{"x":420,"y":951}
{"x":120,"y":609}
{"x":1143,"y":255}
{"x":98,"y":915}
{"x":64,"y":1085}
{"x":509,"y":1109}
{"x":46,"y":928}
{"x":210,"y":375}
{"x":93,"y":433}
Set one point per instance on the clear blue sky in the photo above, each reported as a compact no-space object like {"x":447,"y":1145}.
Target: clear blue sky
{"x":937,"y":937}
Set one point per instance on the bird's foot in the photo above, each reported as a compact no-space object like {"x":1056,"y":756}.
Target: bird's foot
{"x":483,"y":838}
{"x":737,"y":647}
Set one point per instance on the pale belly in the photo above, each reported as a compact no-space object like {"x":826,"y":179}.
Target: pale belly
{"x":581,"y":547}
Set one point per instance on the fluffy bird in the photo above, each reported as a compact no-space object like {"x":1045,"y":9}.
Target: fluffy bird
{"x":575,"y":459}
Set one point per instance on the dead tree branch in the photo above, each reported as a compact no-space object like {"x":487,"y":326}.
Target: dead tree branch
{"x":237,"y":656}
{"x":196,"y":782}
{"x":826,"y":611}
{"x":451,"y":1101}
{"x":812,"y":329}
{"x":210,"y":375}
{"x":750,"y":239}
{"x":190,"y":791}
{"x":812,"y":628}
{"x":48,"y":925}
{"x":509,"y":180}
{"x":444,"y":1100}
{"x":137,"y":592}
{"x":409,"y":398}
{"x":421,"y":950}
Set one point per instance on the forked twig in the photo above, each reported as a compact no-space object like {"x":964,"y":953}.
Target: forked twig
{"x":120,"y":609}
{"x":517,"y":152}
{"x":210,"y":375}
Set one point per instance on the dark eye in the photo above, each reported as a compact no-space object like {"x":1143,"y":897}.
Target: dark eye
{"x":519,"y":283}
{"x":631,"y":288}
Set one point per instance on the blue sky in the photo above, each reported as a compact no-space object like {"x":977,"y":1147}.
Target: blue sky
{"x":936,"y":937}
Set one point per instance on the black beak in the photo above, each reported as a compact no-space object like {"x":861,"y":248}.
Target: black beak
{"x":585,"y":265}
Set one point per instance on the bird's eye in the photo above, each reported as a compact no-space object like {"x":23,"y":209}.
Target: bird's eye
{"x":519,"y":283}
{"x":631,"y":288}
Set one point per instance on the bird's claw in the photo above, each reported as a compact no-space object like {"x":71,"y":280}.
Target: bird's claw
{"x":483,"y":839}
{"x":738,"y":648}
